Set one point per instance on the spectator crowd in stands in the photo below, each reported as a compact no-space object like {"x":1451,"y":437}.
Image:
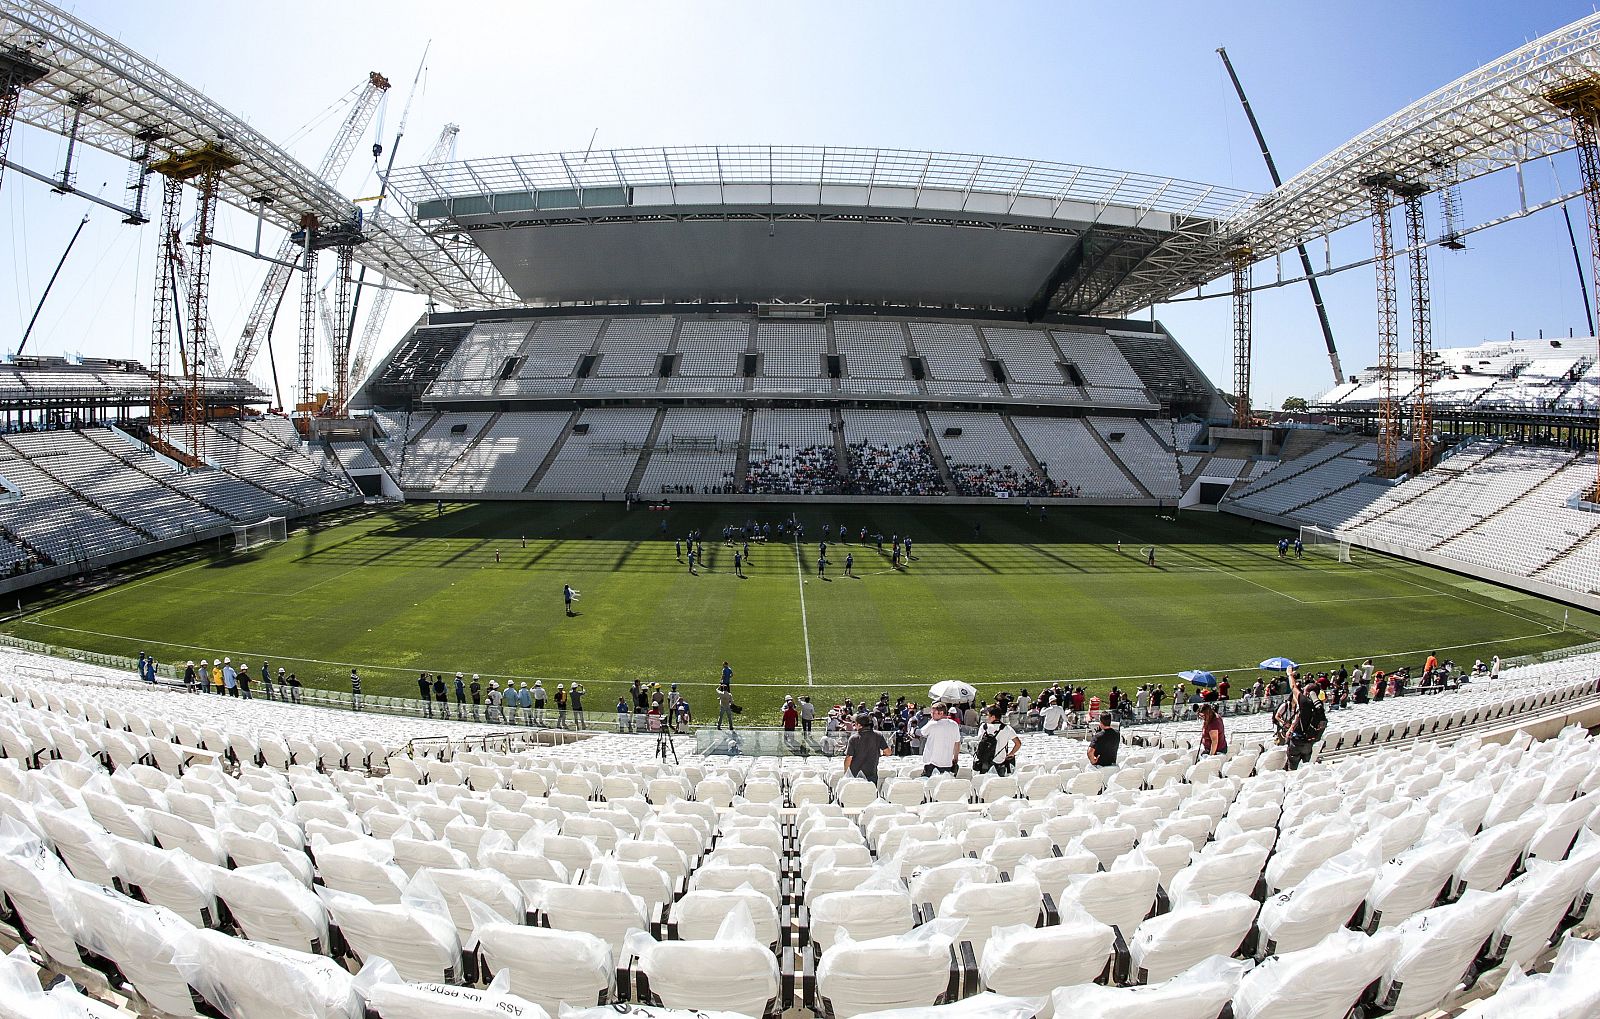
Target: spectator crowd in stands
{"x":907,"y":469}
{"x":810,"y":470}
{"x":987,"y":479}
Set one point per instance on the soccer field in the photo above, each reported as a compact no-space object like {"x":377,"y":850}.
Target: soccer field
{"x":995,"y":595}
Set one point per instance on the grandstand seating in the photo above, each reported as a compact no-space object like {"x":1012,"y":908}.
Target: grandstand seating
{"x":696,"y":449}
{"x":96,"y":492}
{"x":603,"y":459}
{"x":507,"y":456}
{"x":269,"y":874}
{"x":1073,"y":458}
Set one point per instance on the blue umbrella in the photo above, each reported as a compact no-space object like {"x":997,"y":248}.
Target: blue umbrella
{"x":1279,"y":664}
{"x":1199,"y":677}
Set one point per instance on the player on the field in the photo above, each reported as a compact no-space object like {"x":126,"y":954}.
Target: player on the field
{"x":849,"y":564}
{"x":738,"y":564}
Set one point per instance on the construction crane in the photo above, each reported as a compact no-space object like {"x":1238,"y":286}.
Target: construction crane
{"x":277,"y":281}
{"x":443,"y":150}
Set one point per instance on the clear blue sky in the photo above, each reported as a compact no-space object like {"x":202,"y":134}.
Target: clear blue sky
{"x":1130,"y":86}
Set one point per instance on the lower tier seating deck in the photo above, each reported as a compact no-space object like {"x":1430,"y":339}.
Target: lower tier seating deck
{"x":507,"y":456}
{"x":601,"y":457}
{"x":696,"y":450}
{"x":437,"y":444}
{"x":797,"y":453}
{"x":983,"y":457}
{"x":169,"y":851}
{"x":889,"y":454}
{"x":1500,"y":506}
{"x":1074,"y":460}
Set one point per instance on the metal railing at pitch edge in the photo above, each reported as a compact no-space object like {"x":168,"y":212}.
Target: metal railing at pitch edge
{"x":120,"y":663}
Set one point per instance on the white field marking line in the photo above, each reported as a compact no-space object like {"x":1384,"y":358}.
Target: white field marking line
{"x":805,"y":628}
{"x":1463,"y":599}
{"x":115,"y":588}
{"x":368,"y":667}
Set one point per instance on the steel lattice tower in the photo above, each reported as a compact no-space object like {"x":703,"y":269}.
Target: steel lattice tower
{"x":1421,"y":324}
{"x":308,"y":318}
{"x":1388,"y":327}
{"x":162,"y":308}
{"x":1242,"y":312}
{"x":1581,"y":100}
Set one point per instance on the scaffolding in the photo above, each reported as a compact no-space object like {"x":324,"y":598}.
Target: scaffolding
{"x":1581,"y":101}
{"x":1241,"y":255}
{"x":1379,"y":186}
{"x":1421,"y":324}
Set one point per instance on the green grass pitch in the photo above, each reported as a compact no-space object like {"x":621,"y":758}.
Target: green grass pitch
{"x":995,"y":595}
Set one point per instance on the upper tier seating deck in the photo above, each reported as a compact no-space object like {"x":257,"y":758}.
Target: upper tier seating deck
{"x":330,"y":851}
{"x":951,"y":350}
{"x":1107,"y":374}
{"x":632,"y":347}
{"x":711,"y":348}
{"x":550,"y":356}
{"x":871,"y":349}
{"x":480,"y":358}
{"x":792,"y":349}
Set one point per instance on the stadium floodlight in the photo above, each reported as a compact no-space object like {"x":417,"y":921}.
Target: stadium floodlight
{"x":1319,"y":541}
{"x":265,"y":531}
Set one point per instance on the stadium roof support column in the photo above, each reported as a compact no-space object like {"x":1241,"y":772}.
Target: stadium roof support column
{"x":1421,"y":324}
{"x":1388,"y":325}
{"x":1581,"y":100}
{"x":339,"y":342}
{"x":205,"y":166}
{"x":308,"y":322}
{"x":1242,"y":314}
{"x":162,"y":307}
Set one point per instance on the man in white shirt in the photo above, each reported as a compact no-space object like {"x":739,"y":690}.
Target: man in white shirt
{"x":941,"y":743}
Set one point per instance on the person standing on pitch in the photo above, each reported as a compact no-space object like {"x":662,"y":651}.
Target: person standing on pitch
{"x":738,"y":564}
{"x":425,"y":693}
{"x":355,"y":690}
{"x":724,"y":706}
{"x":566,"y":596}
{"x":538,"y":701}
{"x":849,"y":564}
{"x":577,"y":705}
{"x":461,"y":697}
{"x":727,"y":676}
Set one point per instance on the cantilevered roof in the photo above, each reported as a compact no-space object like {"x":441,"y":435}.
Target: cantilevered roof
{"x":1492,"y":119}
{"x":760,"y":222}
{"x":114,"y":95}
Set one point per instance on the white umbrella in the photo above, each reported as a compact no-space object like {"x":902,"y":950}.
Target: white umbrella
{"x":953,"y":691}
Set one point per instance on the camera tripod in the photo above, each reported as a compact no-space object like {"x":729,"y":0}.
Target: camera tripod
{"x":665,"y":745}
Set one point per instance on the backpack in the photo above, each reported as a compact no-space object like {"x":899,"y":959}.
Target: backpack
{"x":1313,"y":721}
{"x":983,"y":754}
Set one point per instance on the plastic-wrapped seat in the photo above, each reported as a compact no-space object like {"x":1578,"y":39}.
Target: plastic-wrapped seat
{"x":933,"y":884}
{"x":1165,"y":945}
{"x":363,"y":867}
{"x":245,"y":980}
{"x":1413,"y":881}
{"x":1108,"y":841}
{"x":271,"y":906}
{"x":1494,"y":852}
{"x":252,"y":848}
{"x":419,"y":941}
{"x":1323,"y":902}
{"x":174,"y":832}
{"x":143,"y":940}
{"x":605,"y":910}
{"x":1120,"y":897}
{"x":986,"y":906}
{"x":1298,"y":856}
{"x":734,"y":970}
{"x":171,"y":879}
{"x":727,"y":877}
{"x":88,"y":851}
{"x":903,"y":971}
{"x":697,"y":915}
{"x":1200,"y":992}
{"x":1432,"y":951}
{"x":880,"y":907}
{"x":1220,"y":873}
{"x":390,"y":997}
{"x":33,"y":880}
{"x":1320,"y":982}
{"x":548,"y":967}
{"x":1033,"y":961}
{"x":1543,"y":894}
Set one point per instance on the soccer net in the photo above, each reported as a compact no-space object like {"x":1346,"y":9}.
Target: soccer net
{"x":1318,"y":541}
{"x":262,"y":532}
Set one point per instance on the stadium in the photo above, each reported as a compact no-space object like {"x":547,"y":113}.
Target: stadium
{"x":1059,"y":677}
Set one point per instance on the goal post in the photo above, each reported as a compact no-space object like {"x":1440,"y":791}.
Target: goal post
{"x":263,"y":532}
{"x":1320,"y":541}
